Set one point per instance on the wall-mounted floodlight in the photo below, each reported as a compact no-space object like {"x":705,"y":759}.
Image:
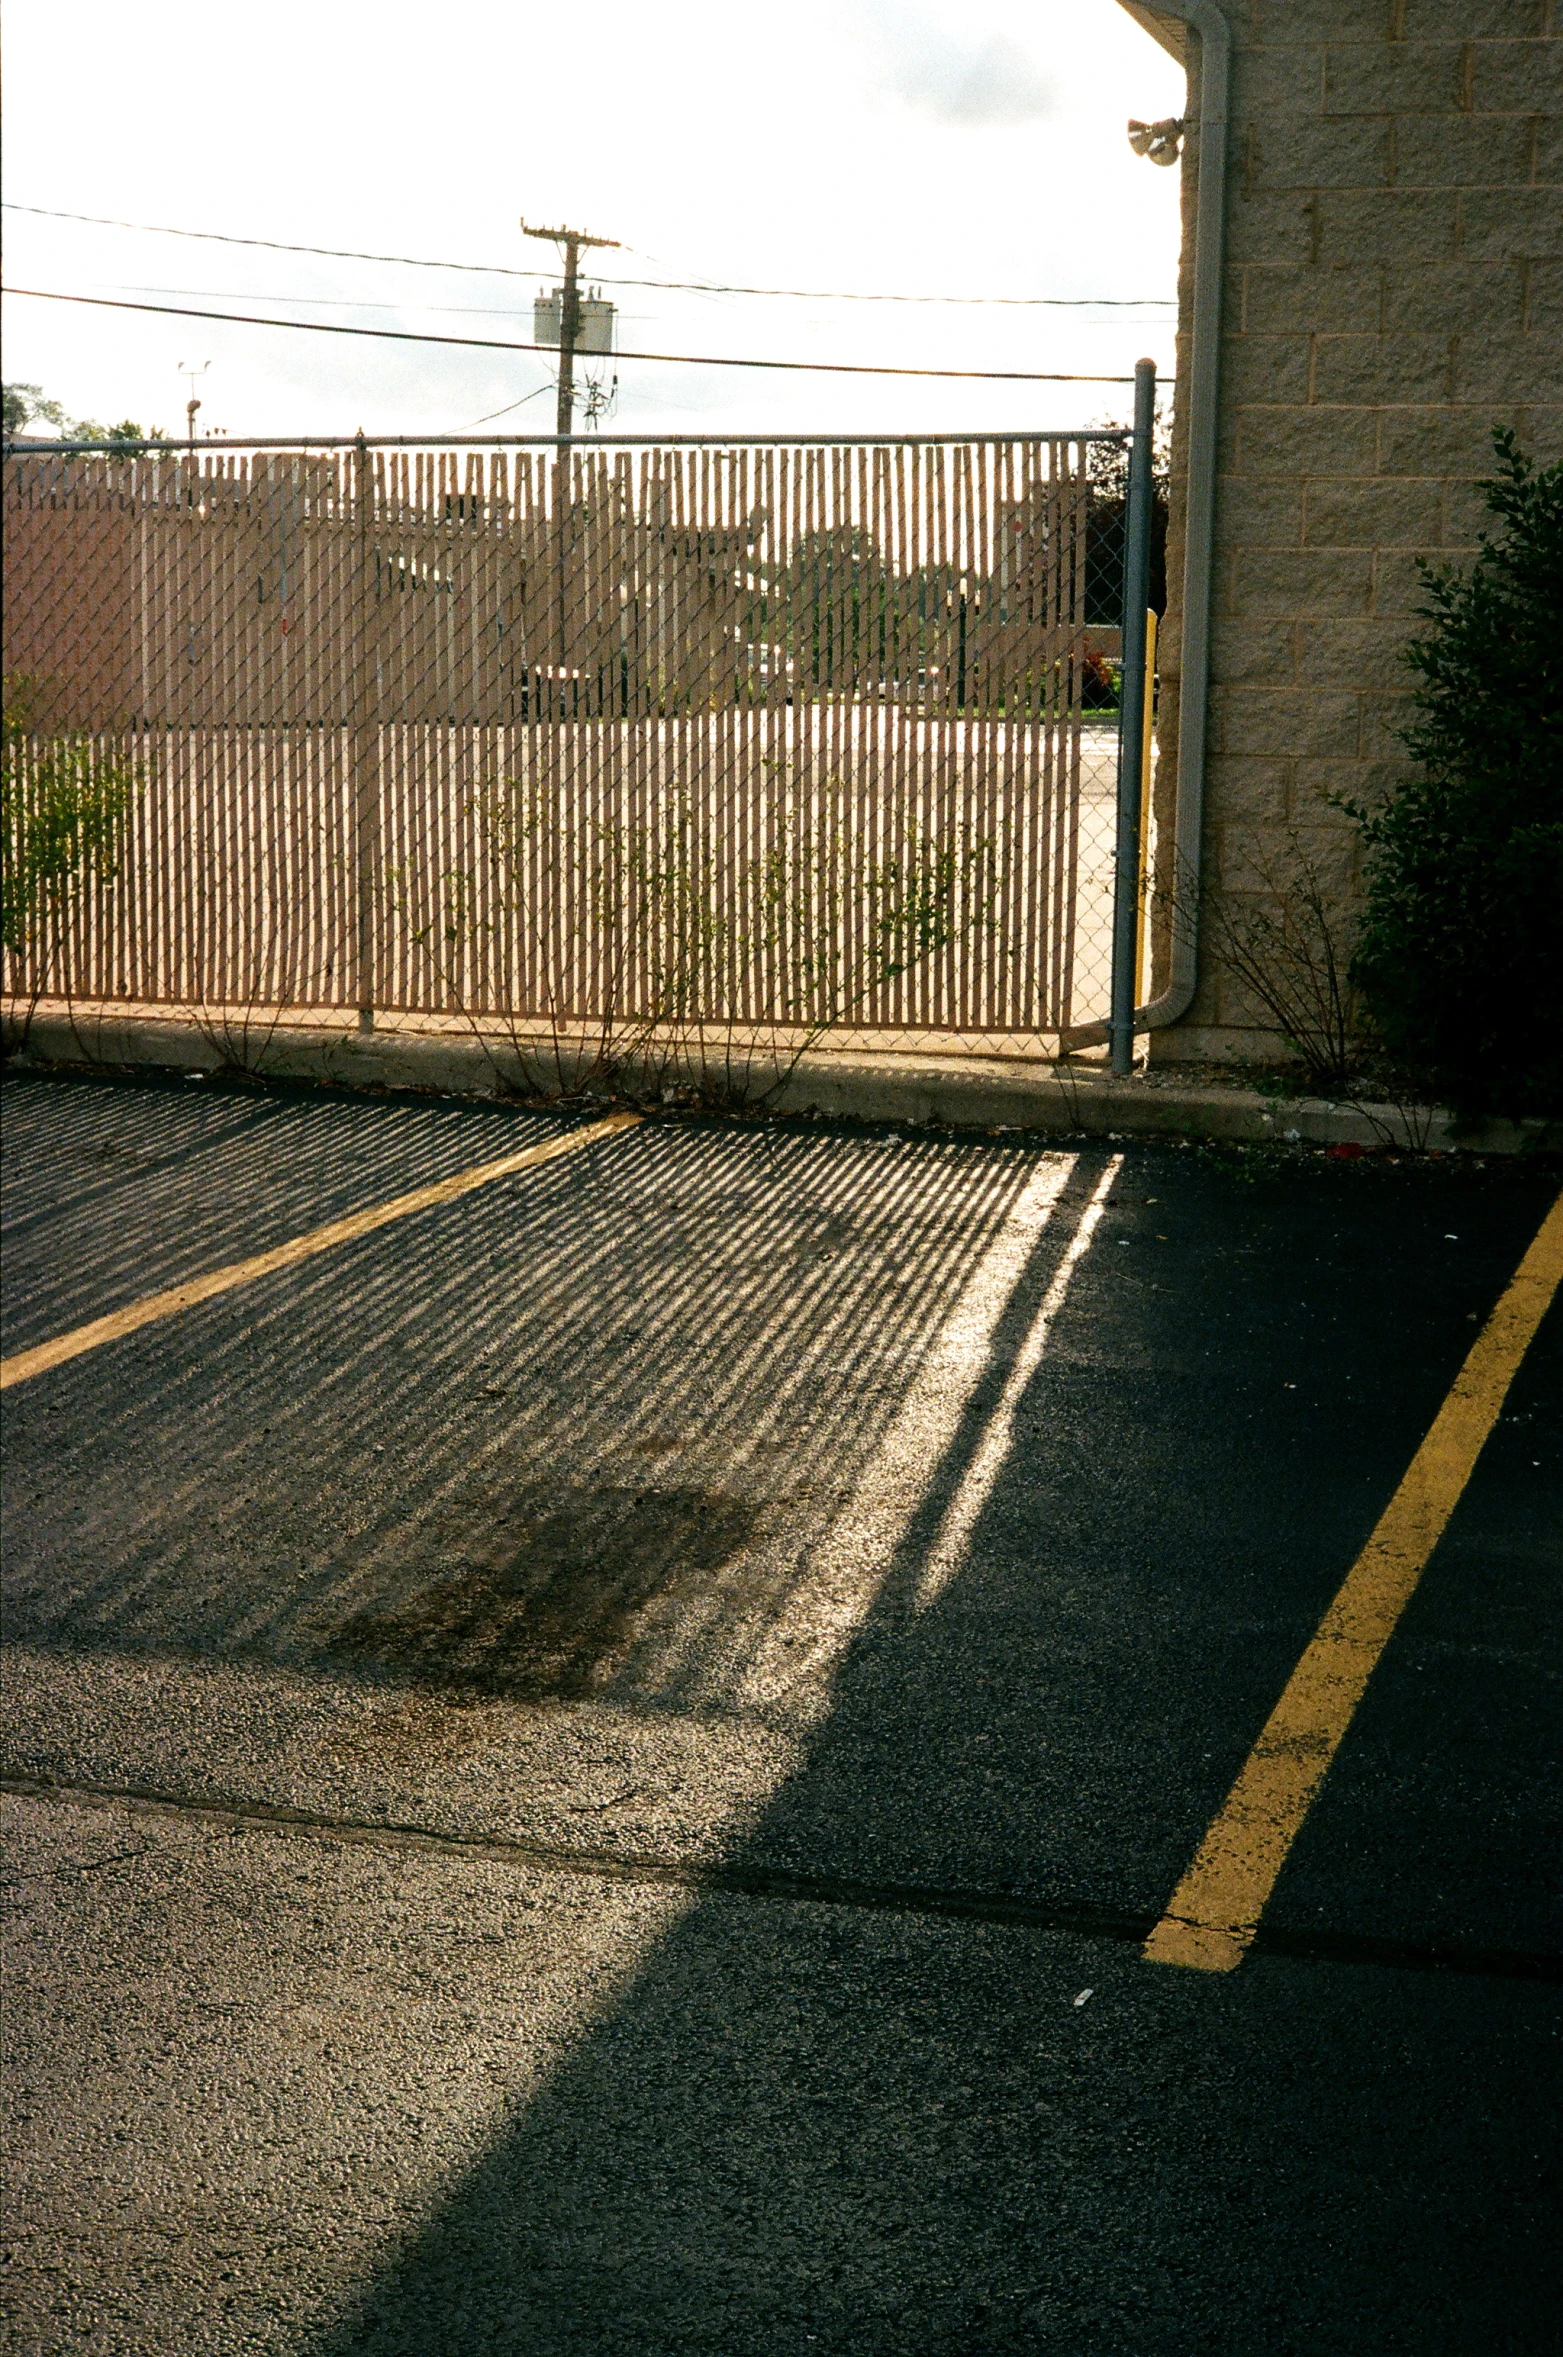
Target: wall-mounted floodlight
{"x":1162,"y":142}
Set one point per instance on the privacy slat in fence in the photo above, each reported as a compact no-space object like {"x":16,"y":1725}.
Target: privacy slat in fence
{"x":785,"y":736}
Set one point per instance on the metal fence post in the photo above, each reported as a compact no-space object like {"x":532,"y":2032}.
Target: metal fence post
{"x":366,"y":746}
{"x":1131,"y":722}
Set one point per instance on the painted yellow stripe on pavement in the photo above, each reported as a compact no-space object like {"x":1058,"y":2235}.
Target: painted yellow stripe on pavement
{"x":1214,"y":1913}
{"x":282,"y":1256}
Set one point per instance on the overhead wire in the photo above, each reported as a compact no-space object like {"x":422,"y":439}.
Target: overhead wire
{"x":665,"y":285}
{"x":401,"y":335}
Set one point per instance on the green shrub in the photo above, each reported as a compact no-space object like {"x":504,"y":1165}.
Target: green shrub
{"x":1460,"y":959}
{"x":63,"y":802}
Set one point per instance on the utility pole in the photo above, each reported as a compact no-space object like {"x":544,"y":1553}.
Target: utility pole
{"x":572,"y":240}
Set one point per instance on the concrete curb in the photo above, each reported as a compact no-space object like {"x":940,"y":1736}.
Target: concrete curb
{"x":967,"y":1092}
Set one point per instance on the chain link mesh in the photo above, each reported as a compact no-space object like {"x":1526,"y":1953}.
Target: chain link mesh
{"x":794,"y":738}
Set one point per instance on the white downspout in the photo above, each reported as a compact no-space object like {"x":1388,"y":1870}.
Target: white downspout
{"x":1215,"y":80}
{"x":1209,"y":21}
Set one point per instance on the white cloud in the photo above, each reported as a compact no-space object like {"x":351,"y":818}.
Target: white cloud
{"x":987,"y":81}
{"x":765,"y":145}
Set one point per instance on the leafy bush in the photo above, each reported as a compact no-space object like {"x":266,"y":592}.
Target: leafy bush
{"x":62,"y":802}
{"x":1460,"y":959}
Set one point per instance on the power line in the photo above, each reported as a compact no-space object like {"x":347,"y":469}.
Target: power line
{"x":402,"y":335}
{"x":691,"y":286}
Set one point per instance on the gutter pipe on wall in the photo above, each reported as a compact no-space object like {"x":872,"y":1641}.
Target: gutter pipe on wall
{"x":1215,"y":76}
{"x":1133,"y":699}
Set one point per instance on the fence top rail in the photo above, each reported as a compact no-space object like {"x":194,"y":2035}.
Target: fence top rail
{"x":215,"y":448}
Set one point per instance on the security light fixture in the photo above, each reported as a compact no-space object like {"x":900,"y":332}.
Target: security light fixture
{"x":1162,"y":142}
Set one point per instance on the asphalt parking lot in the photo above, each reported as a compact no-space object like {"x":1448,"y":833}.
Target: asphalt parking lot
{"x":588,"y":1768}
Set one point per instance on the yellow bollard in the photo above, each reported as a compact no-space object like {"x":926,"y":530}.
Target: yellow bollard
{"x":1145,"y":804}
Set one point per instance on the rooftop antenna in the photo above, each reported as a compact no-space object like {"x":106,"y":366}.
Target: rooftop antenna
{"x":191,"y":374}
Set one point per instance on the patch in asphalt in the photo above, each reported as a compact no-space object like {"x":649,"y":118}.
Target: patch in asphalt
{"x":550,"y":1593}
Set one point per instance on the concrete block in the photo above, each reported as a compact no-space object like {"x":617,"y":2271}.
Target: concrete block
{"x":1277,"y":24}
{"x":1316,"y":784}
{"x":1546,"y":168}
{"x":1242,"y":789}
{"x":1268,"y":226}
{"x":1254,"y":654}
{"x":1543,"y":309}
{"x":1462,"y":151}
{"x":1265,"y":368}
{"x":1388,"y":226}
{"x":1383,"y":718}
{"x":1507,"y":369}
{"x":1299,"y":153}
{"x":1474,"y":20}
{"x":1280,"y":583}
{"x":1466,"y":517}
{"x":1237,"y":1005}
{"x":1258,"y":514}
{"x":1306,"y":441}
{"x":1364,"y":653}
{"x":1275,"y":862}
{"x":1379,"y":514}
{"x":1397,"y":584}
{"x":1288,"y":298}
{"x":1371,"y":369}
{"x":1283,"y":723}
{"x":1248,"y":795}
{"x":1393,"y":77}
{"x":1517,"y":77}
{"x":1463,"y":297}
{"x":1329,"y":849}
{"x":1494,"y":224}
{"x":1440,"y":441}
{"x":1541,"y":431}
{"x":1287,"y":81}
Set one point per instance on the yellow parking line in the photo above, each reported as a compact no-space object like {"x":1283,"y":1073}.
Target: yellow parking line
{"x":1214,"y":1913}
{"x":282,"y":1256}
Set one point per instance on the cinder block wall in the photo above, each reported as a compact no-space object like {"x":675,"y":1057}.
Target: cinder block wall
{"x":1394,"y":290}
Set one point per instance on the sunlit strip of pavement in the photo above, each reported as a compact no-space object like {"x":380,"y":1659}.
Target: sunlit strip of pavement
{"x":149,"y":1311}
{"x":989,"y":1456}
{"x":1213,"y":1915}
{"x":848,"y":1567}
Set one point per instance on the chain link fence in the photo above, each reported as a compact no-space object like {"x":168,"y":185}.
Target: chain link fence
{"x":770,"y":738}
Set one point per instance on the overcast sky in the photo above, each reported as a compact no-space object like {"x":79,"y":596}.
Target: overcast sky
{"x":954,"y":147}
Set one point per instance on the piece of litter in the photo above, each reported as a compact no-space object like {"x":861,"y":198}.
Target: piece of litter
{"x":1451,"y":1239}
{"x":1080,"y":2000}
{"x":1291,"y":1136}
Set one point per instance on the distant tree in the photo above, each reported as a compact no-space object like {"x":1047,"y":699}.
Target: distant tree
{"x":26,"y":407}
{"x":126,"y":435}
{"x":1108,"y":465}
{"x":25,"y":404}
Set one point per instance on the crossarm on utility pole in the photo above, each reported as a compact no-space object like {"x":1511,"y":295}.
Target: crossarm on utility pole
{"x":569,"y":314}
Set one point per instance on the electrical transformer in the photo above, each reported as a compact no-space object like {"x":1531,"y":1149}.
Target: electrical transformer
{"x":595,"y":321}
